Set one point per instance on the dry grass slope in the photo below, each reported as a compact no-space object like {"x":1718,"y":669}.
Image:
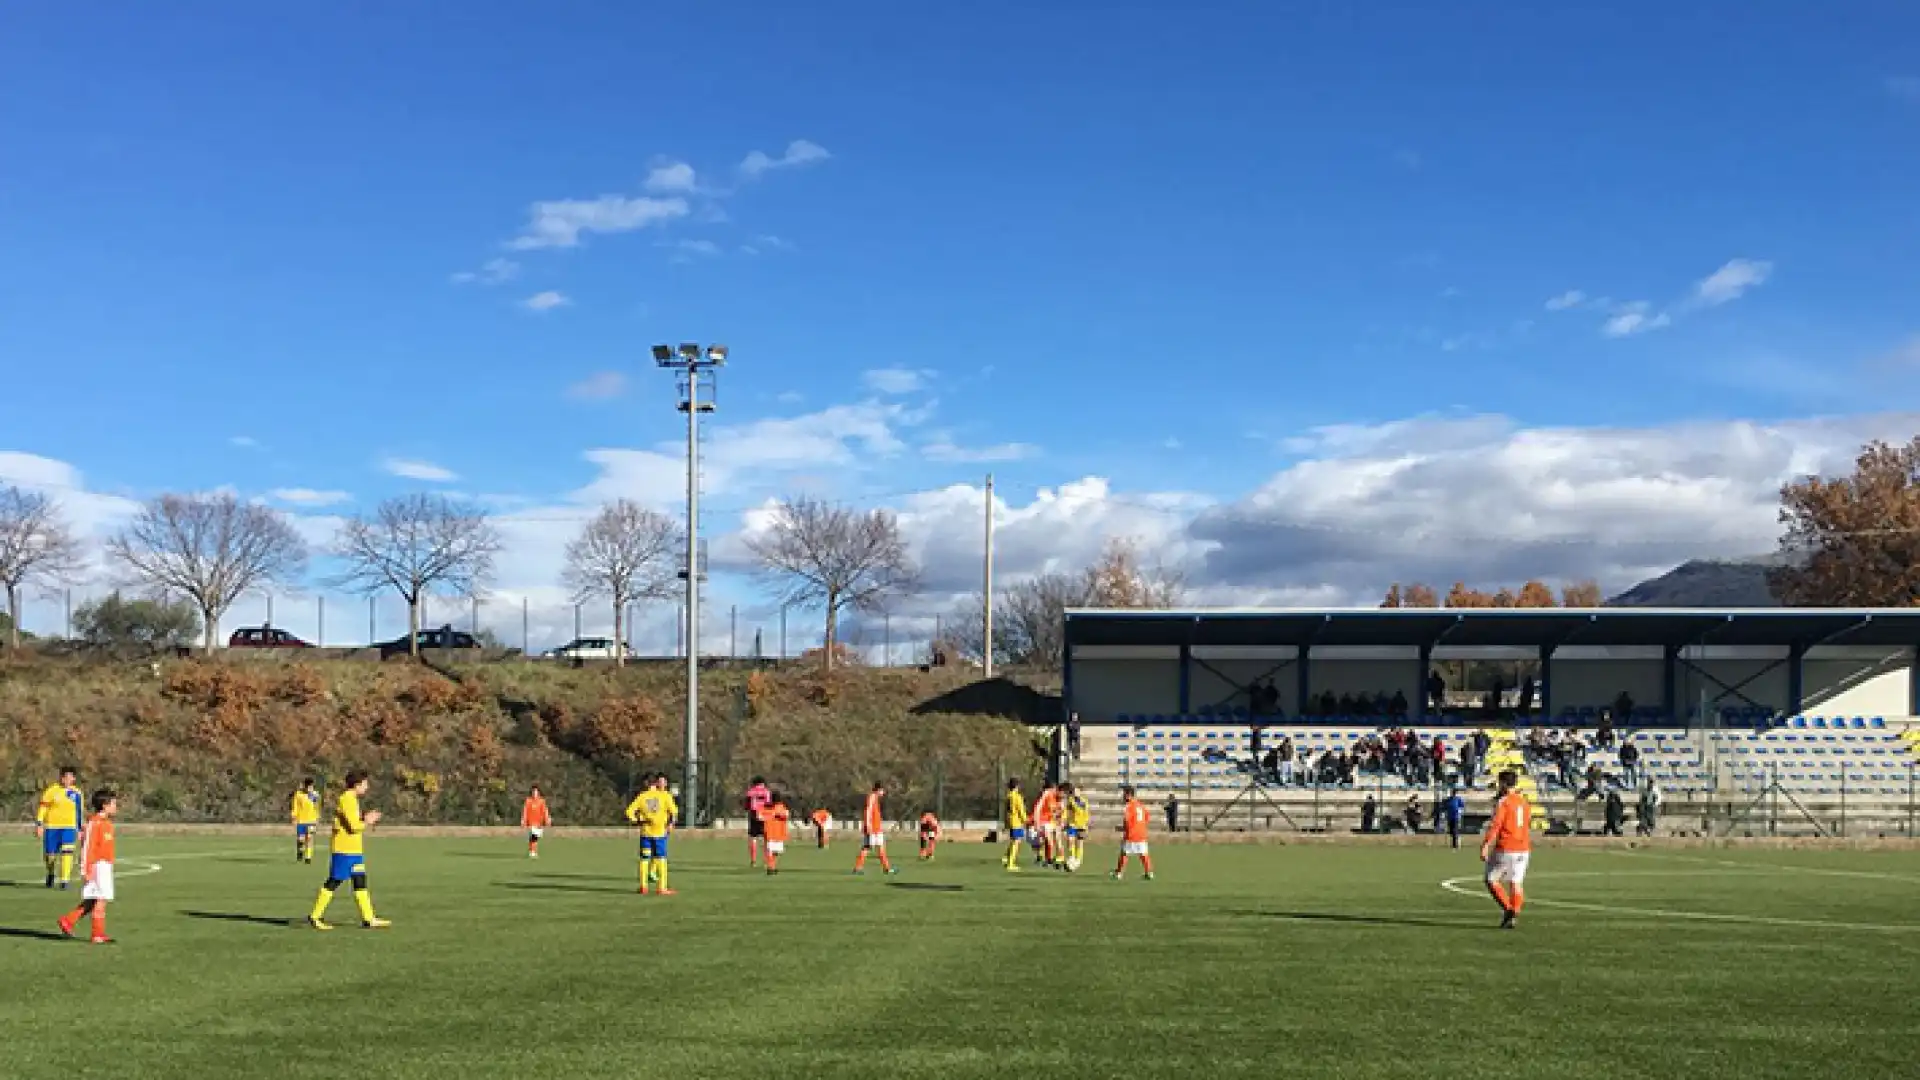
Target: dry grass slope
{"x":227,"y":739}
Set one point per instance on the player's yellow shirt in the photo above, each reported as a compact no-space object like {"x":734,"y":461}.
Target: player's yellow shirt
{"x":58,"y":809}
{"x":306,"y":811}
{"x":1016,"y":810}
{"x":1078,"y":816}
{"x":653,"y":810}
{"x":349,"y":831}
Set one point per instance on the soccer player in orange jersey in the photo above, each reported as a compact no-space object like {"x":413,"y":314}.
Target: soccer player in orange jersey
{"x":929,"y":835}
{"x":535,"y":817}
{"x":1134,"y":839}
{"x":96,"y":868}
{"x":873,"y":825}
{"x":1046,"y":825}
{"x":1507,"y":849}
{"x":775,"y":820}
{"x":821,"y":819}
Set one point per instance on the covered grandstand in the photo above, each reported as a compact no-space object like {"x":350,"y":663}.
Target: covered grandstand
{"x":1732,"y":711}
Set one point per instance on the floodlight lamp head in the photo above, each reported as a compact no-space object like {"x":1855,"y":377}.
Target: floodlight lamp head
{"x":689,"y":351}
{"x":663,"y":354}
{"x":716,"y":354}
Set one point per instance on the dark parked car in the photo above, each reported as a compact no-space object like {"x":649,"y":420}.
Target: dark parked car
{"x":444,"y":638}
{"x":264,"y":637}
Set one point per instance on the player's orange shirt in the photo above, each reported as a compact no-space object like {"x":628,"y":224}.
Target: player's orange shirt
{"x":776,"y":817}
{"x":820,"y":818}
{"x":1046,"y":807}
{"x":534,"y":814}
{"x":1135,"y":817}
{"x":930,"y":824}
{"x":1511,"y":829}
{"x":97,"y":846}
{"x":875,"y":823}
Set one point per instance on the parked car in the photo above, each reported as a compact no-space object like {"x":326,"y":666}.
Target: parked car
{"x":444,"y":638}
{"x":264,"y":637}
{"x":590,"y":648}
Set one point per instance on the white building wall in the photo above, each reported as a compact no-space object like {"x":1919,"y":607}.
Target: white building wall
{"x":1855,"y":681}
{"x":1595,"y":675}
{"x":1111,"y":681}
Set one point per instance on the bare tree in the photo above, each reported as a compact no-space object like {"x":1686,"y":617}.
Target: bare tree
{"x":35,"y":546}
{"x":626,"y":553}
{"x":415,"y":544}
{"x":1029,"y":616}
{"x":210,"y":549}
{"x":825,"y":556}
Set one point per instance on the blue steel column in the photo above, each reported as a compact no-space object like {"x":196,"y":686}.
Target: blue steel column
{"x":1796,"y":678}
{"x":1066,"y":670}
{"x":1186,"y":678}
{"x":1305,"y":688}
{"x":1420,"y":685}
{"x":1546,"y":683}
{"x":1670,"y":683}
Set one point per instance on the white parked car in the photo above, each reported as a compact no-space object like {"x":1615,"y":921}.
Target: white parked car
{"x":590,"y":648}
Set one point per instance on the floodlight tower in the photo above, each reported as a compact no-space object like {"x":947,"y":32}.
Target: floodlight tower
{"x":695,"y":366}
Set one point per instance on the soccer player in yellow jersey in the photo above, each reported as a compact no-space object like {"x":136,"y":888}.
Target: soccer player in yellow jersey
{"x":349,"y":855}
{"x":1077,"y":817}
{"x":305,"y":811}
{"x":654,"y":810}
{"x":57,"y":822}
{"x":1015,"y":819}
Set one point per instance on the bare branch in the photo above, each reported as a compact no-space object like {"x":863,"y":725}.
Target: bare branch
{"x":818,"y":555}
{"x":36,"y":545}
{"x":1029,"y":616}
{"x":625,"y":554}
{"x":211,"y":549}
{"x":415,"y":544}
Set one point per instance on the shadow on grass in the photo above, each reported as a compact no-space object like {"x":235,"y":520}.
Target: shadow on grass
{"x":1345,"y":918}
{"x":925,"y":886}
{"x":581,"y":877}
{"x":31,"y":935}
{"x":557,"y":886}
{"x":460,"y":854}
{"x":240,"y":917}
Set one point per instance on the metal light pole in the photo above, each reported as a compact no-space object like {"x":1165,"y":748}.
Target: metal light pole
{"x":694,"y":365}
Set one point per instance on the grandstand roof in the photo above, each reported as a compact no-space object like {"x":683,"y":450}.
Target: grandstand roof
{"x":1495,"y":626}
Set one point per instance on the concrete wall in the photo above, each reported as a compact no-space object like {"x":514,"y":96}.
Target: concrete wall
{"x":1108,"y":681}
{"x":1595,"y":675}
{"x":1844,"y":681}
{"x":1366,"y":671}
{"x":1219,"y":674}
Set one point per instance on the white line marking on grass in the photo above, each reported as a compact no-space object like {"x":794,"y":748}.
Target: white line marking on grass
{"x":41,"y":866}
{"x":1455,"y":886}
{"x":1735,"y":864}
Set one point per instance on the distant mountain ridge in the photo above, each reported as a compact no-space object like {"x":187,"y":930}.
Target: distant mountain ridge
{"x":1706,"y":583}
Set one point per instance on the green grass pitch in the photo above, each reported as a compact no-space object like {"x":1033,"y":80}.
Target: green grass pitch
{"x":1238,"y":961}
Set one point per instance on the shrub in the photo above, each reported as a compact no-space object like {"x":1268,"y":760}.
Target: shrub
{"x":300,"y":684}
{"x":627,"y":727}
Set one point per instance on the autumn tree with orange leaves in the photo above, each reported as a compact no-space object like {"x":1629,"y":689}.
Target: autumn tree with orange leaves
{"x":1853,"y":541}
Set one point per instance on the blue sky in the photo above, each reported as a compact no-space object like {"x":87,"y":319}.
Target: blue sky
{"x":1207,"y":257}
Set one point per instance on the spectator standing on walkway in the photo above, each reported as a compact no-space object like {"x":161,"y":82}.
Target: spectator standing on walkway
{"x":1073,"y":736}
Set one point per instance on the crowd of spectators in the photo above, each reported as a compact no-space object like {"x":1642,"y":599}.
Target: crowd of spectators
{"x":1396,"y":751}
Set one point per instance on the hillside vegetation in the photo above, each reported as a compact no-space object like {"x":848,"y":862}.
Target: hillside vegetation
{"x":226,"y":739}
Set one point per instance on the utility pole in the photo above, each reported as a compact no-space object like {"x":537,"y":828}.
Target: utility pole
{"x":269,"y":609}
{"x":733,"y":632}
{"x":694,"y":365}
{"x":526,"y":628}
{"x":783,"y":631}
{"x":986,"y":585}
{"x":320,"y":618}
{"x":370,"y":637}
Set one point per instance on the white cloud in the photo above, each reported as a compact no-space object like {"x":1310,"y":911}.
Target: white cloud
{"x":1572,"y":298}
{"x":491,"y":272}
{"x":1633,"y":318}
{"x":309,"y":496}
{"x":413,"y":469}
{"x":599,"y":386}
{"x":688,"y":250}
{"x":944,"y":449}
{"x":897,"y":380}
{"x":545,"y":301}
{"x":558,"y":223}
{"x":798,"y":152}
{"x":1731,"y":281}
{"x":244,"y":442}
{"x":671,"y":176}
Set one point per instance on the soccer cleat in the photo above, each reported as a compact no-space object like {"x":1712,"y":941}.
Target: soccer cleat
{"x":1507,"y":921}
{"x":1149,"y":875}
{"x":668,"y":892}
{"x":533,"y":854}
{"x":891,"y":871}
{"x":49,"y":881}
{"x":101,"y":939}
{"x":1014,"y":868}
{"x":63,"y":886}
{"x":66,"y":926}
{"x":318,"y":923}
{"x":376,"y":924}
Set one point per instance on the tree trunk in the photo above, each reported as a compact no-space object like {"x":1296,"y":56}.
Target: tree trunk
{"x":833,"y":630}
{"x":13,"y":617}
{"x":413,"y":624}
{"x":212,"y":623}
{"x":619,"y":628}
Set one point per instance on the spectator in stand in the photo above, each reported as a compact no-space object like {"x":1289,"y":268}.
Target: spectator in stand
{"x":1397,"y":705}
{"x":1173,"y":813}
{"x":1369,"y":812}
{"x":1438,"y":755}
{"x":1073,"y":735}
{"x":1596,"y":778}
{"x":1623,"y":707}
{"x":1629,"y":763}
{"x":1413,"y":814}
{"x":1285,"y":754}
{"x":1469,"y":760}
{"x":1482,"y":742}
{"x":1270,"y":765}
{"x":1453,"y":809}
{"x":1616,"y":819}
{"x":1436,"y":692}
{"x":1329,"y":705}
{"x":1524,"y":706}
{"x":1649,"y":808}
{"x":1603,"y":737}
